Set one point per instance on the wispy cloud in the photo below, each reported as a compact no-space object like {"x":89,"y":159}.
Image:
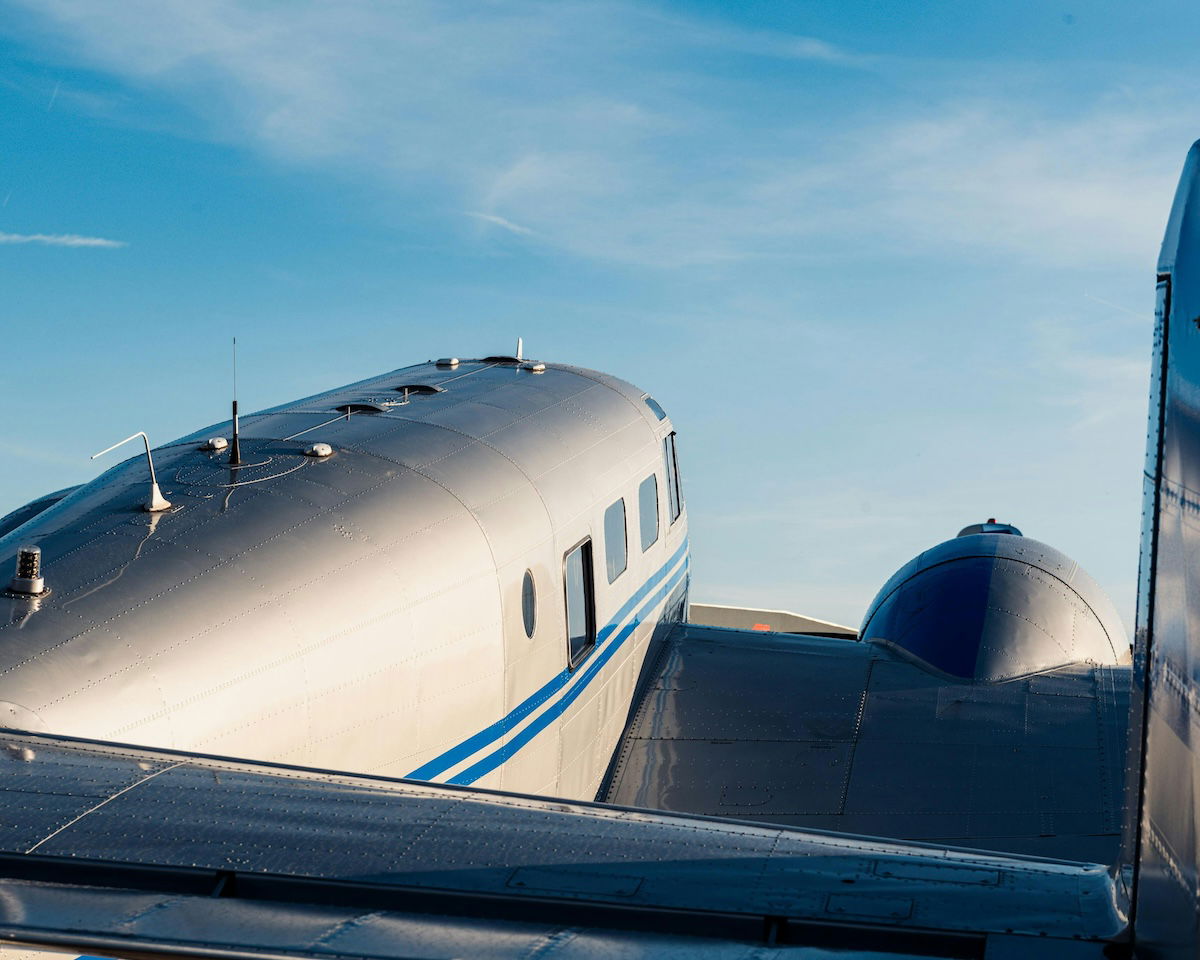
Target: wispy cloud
{"x":588,"y":124}
{"x":60,"y":240}
{"x":500,"y":222}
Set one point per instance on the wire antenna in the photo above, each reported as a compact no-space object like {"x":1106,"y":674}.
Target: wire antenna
{"x":156,"y":502}
{"x":235,"y":448}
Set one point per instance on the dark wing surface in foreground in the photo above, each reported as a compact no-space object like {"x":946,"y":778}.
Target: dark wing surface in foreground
{"x":134,"y":851}
{"x":834,"y":734}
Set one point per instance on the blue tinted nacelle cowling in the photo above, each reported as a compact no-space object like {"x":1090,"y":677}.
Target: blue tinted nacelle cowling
{"x":993,"y":605}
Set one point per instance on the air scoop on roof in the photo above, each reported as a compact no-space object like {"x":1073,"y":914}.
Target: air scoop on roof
{"x":418,"y":389}
{"x":349,"y":408}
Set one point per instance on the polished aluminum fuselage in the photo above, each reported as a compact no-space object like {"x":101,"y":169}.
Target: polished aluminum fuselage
{"x":361,"y":611}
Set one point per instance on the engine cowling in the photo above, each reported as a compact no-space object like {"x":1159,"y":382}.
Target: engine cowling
{"x":993,"y":605}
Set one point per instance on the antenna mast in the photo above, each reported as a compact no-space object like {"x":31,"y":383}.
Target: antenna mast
{"x":235,"y":450}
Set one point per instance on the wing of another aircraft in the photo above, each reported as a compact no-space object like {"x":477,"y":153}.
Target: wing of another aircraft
{"x":835,"y":734}
{"x":139,"y":852}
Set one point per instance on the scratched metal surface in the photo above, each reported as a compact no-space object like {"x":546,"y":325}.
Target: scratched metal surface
{"x":361,"y":612}
{"x":839,"y":735}
{"x":93,"y":803}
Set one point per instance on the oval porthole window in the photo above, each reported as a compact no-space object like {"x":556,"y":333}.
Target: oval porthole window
{"x":529,"y":603}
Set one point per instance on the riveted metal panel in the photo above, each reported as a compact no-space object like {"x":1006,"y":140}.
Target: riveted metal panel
{"x":836,"y":734}
{"x":1164,"y":835}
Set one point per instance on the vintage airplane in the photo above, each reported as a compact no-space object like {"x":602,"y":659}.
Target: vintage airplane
{"x":474,"y":573}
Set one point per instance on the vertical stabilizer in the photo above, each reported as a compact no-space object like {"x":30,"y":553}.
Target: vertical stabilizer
{"x":1163,"y":836}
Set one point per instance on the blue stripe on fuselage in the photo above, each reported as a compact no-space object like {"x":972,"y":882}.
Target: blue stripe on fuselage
{"x":491,"y":734}
{"x":555,"y":710}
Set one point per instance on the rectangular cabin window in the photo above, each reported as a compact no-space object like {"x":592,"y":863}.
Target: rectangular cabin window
{"x":648,"y":511}
{"x":581,"y":602}
{"x":615,"y":549}
{"x":674,"y":491}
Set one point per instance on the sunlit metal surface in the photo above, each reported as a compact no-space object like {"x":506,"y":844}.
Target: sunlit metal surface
{"x":359,"y":610}
{"x":1166,"y":847}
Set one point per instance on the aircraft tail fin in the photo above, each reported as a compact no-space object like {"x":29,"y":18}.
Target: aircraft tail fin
{"x":1163,"y":831}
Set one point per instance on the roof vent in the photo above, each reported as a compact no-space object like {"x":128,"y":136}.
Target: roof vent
{"x":215,"y":443}
{"x":518,"y":357}
{"x":418,"y":389}
{"x":450,"y":362}
{"x":535,"y":366}
{"x":349,"y":408}
{"x":319,"y":450}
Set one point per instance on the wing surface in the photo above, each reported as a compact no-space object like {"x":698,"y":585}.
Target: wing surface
{"x":138,"y":852}
{"x":833,"y":734}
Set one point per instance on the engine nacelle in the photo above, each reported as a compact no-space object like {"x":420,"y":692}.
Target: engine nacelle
{"x":993,"y":605}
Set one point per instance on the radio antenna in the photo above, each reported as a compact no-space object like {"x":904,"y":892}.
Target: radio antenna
{"x":156,"y":502}
{"x":235,"y":449}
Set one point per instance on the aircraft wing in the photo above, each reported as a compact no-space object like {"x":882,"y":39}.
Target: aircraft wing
{"x":136,"y":852}
{"x":833,"y":734}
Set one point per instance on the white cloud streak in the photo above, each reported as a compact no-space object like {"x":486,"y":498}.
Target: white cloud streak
{"x":499,"y":221}
{"x":60,"y":240}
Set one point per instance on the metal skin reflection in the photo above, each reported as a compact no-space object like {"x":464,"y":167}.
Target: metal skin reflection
{"x":1164,"y":796}
{"x":363,"y":610}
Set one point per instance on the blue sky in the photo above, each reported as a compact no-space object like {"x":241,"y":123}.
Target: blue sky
{"x":889,"y":266}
